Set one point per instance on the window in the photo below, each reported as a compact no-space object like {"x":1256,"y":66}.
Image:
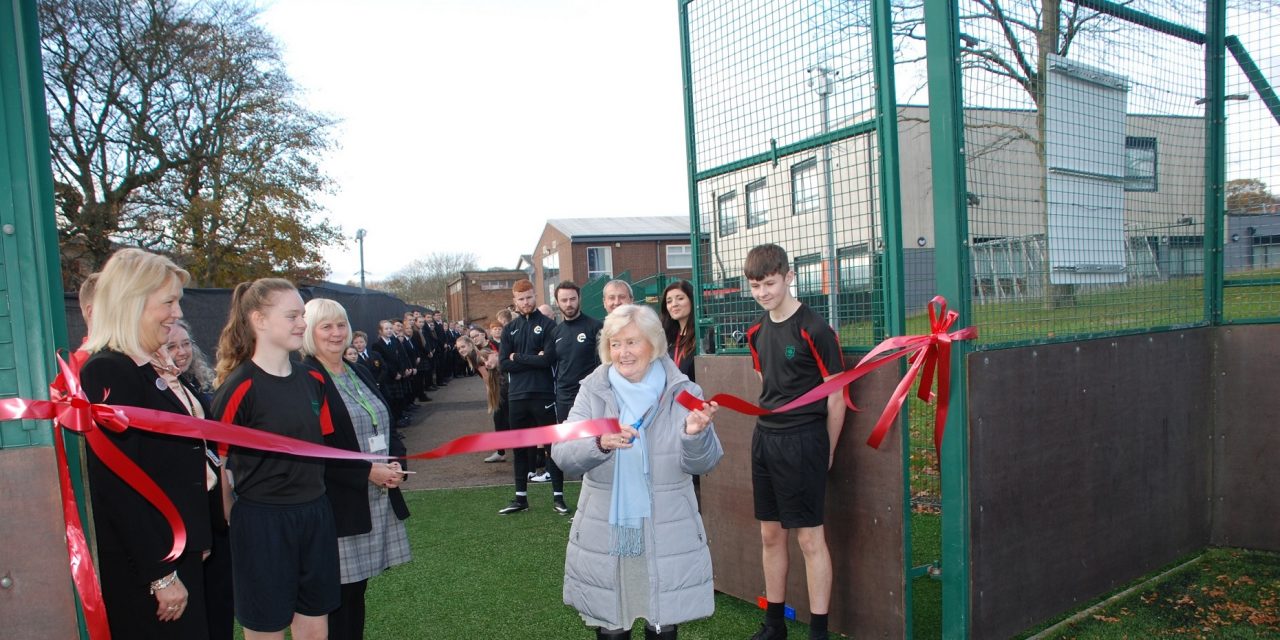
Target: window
{"x":808,"y":275}
{"x":757,"y":203}
{"x":599,"y":262}
{"x":855,"y":268}
{"x":726,"y":214}
{"x":804,"y":186}
{"x":1140,"y":164}
{"x":551,"y":272}
{"x":679,"y":256}
{"x":498,"y":285}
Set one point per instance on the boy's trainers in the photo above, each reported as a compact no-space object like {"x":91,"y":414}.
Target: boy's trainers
{"x":516,"y":506}
{"x":545,"y":476}
{"x":767,"y":632}
{"x":495,"y":457}
{"x":560,"y":507}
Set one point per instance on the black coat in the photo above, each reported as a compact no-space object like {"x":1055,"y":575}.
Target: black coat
{"x":346,"y":481}
{"x":125,"y":523}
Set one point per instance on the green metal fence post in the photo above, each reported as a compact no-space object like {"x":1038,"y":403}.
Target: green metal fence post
{"x":891,"y":317}
{"x":1215,"y":171}
{"x":950,"y":215}
{"x":29,"y":257}
{"x":691,"y":153}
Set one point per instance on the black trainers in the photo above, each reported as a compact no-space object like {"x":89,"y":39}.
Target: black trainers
{"x":560,"y":507}
{"x":767,"y":632}
{"x":516,"y":506}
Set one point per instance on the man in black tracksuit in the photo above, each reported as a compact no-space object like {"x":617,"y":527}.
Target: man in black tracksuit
{"x":526,"y":354}
{"x":576,"y":339}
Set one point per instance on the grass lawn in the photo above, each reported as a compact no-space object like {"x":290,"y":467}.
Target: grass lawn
{"x":1229,"y":593}
{"x":476,"y":574}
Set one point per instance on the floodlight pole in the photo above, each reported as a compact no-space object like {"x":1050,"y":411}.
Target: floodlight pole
{"x":360,"y":234}
{"x":822,"y":85}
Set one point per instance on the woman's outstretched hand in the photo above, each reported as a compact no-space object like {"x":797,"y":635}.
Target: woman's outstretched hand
{"x":698,"y":420}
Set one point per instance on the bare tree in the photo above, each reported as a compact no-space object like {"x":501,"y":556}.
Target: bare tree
{"x":172,"y":127}
{"x":425,"y":280}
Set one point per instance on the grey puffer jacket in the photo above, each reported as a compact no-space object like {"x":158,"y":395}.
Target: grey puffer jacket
{"x":675,"y":540}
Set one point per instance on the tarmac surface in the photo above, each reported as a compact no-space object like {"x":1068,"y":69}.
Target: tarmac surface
{"x":455,"y":410}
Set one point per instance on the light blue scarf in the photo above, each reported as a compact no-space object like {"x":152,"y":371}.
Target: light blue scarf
{"x":630,"y":503}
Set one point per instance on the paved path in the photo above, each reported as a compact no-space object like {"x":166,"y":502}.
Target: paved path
{"x":455,"y":410}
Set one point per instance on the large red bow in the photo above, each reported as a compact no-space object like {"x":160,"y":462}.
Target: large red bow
{"x":930,"y":354}
{"x":70,"y":409}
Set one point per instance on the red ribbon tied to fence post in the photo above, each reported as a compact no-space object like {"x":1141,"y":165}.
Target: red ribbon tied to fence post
{"x":929,"y":356}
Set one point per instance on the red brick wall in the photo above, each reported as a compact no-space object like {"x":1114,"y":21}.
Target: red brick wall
{"x":643,"y":259}
{"x":479,"y":305}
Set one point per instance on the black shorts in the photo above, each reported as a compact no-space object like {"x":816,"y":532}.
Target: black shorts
{"x":789,"y":474}
{"x":284,"y":559}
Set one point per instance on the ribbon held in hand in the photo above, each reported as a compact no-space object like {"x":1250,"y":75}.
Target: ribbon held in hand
{"x":928,"y":354}
{"x":71,"y":409}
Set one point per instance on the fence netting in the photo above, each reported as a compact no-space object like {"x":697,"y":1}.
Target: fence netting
{"x":1251,"y":250}
{"x":783,"y":95}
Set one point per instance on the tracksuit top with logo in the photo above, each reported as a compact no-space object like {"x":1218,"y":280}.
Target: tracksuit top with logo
{"x":793,"y":356}
{"x":576,"y":354}
{"x":529,"y":375}
{"x":293,"y":406}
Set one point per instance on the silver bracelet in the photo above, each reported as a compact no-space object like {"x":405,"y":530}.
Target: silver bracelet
{"x":164,"y":583}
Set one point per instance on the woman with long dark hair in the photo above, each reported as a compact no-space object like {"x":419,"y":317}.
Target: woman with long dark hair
{"x":677,"y":322}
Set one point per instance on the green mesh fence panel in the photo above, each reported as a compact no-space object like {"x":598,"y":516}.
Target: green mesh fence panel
{"x":783,"y":122}
{"x":1251,"y":251}
{"x":1085,"y":169}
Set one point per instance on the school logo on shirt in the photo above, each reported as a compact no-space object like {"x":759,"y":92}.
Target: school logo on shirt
{"x":791,"y":351}
{"x":315,"y":406}
{"x":537,"y":330}
{"x":582,"y":337}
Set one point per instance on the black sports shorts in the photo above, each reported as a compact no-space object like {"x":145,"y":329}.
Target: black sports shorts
{"x":284,"y":559}
{"x":789,"y":474}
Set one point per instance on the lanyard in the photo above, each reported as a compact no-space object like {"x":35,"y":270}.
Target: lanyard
{"x":357,"y":390}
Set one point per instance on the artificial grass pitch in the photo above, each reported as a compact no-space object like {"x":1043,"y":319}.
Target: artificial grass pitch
{"x":476,"y":574}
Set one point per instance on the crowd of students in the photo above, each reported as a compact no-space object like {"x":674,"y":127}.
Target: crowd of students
{"x":288,"y":543}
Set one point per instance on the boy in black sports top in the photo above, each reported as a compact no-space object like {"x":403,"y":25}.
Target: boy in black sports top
{"x":793,"y":350}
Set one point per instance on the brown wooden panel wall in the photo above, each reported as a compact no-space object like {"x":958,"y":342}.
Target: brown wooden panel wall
{"x":864,"y":510}
{"x":1089,"y":466}
{"x":1246,"y":502}
{"x":39,"y":604}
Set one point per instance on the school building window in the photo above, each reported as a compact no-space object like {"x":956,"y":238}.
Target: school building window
{"x":855,"y":268}
{"x":1140,"y":164}
{"x":808,"y":275}
{"x":757,"y":203}
{"x":679,"y":256}
{"x":599,"y":262}
{"x":726,"y":214}
{"x":805,"y":190}
{"x":495,"y":285}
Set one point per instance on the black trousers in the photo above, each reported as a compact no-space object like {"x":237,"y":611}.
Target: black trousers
{"x":218,"y":593}
{"x":532,"y":412}
{"x":347,"y":622}
{"x":131,"y":609}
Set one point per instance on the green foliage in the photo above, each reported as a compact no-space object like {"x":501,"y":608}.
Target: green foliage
{"x":175,"y":127}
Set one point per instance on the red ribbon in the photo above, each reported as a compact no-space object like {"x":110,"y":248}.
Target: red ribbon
{"x":70,"y":409}
{"x":928,"y":354}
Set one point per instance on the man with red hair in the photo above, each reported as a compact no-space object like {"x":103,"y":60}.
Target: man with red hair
{"x":526,"y":355}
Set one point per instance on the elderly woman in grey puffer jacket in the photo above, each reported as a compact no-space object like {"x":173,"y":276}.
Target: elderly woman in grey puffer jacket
{"x":637,"y":548}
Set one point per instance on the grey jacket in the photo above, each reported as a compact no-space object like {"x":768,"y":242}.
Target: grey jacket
{"x":675,"y":540}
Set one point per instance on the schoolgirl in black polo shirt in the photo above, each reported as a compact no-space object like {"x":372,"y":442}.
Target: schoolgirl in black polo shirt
{"x":284,"y":545}
{"x":793,"y":350}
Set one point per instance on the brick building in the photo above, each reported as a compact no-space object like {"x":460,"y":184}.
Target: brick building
{"x":475,"y":296}
{"x":583,"y":249}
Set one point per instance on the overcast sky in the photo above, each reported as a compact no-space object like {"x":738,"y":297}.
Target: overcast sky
{"x":466,"y":125}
